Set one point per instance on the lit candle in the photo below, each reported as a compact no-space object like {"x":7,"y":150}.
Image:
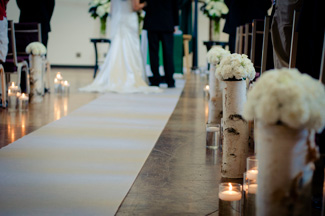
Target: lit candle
{"x":59,"y":76}
{"x":57,"y":85}
{"x":252,"y":188}
{"x":23,"y":102}
{"x":207,"y":88}
{"x":13,"y":88}
{"x":230,"y":195}
{"x":65,"y":87}
{"x":252,"y":174}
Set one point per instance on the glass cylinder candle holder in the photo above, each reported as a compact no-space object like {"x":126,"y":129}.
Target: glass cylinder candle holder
{"x":252,"y":169}
{"x":213,"y":136}
{"x":57,"y":85}
{"x":12,"y":100}
{"x":13,"y":88}
{"x":230,"y":195}
{"x":23,"y":102}
{"x":251,"y":197}
{"x":65,"y":87}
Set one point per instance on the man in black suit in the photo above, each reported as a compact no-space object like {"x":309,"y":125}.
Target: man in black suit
{"x":242,"y":12}
{"x":39,"y":11}
{"x":160,"y":21}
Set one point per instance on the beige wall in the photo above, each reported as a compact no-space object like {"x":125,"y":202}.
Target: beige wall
{"x":72,"y":28}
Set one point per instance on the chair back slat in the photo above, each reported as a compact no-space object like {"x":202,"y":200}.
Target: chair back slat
{"x":322,"y":68}
{"x":257,"y":43}
{"x":294,"y":41}
{"x":25,"y":34}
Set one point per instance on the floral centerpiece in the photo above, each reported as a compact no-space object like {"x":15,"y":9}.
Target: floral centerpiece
{"x":214,"y":10}
{"x":234,"y":69}
{"x":288,"y":107}
{"x":101,"y":9}
{"x":214,"y":57}
{"x":236,"y":66}
{"x":36,"y":48}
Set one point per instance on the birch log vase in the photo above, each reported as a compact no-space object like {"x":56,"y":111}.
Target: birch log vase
{"x":215,"y":99}
{"x":36,"y":74}
{"x":285,"y":170}
{"x":235,"y":130}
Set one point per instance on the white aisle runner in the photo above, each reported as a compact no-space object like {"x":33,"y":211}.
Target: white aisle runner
{"x":84,"y":163}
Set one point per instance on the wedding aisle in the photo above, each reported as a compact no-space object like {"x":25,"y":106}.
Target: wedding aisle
{"x":86,"y":162}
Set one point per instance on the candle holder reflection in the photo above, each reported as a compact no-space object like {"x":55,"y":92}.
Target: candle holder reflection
{"x":230,"y":195}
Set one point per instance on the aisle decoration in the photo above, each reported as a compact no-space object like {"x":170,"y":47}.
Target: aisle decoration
{"x":214,"y":10}
{"x":287,"y":106}
{"x":101,"y":9}
{"x":234,"y":69}
{"x":214,"y":57}
{"x":37,"y":52}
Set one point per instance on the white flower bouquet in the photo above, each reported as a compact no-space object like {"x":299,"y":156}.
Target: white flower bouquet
{"x":215,"y":10}
{"x":101,"y":9}
{"x":216,"y":54}
{"x":236,"y":66}
{"x":287,"y":97}
{"x":36,"y":48}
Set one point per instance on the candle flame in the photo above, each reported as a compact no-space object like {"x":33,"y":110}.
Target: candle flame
{"x":12,"y":84}
{"x":23,"y":94}
{"x":230,"y":186}
{"x":207,"y":87}
{"x":9,"y":91}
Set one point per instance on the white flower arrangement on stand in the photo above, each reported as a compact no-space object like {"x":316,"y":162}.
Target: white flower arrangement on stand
{"x":101,"y":9}
{"x":236,"y":66}
{"x":36,"y":48}
{"x":234,"y":69}
{"x":36,"y":51}
{"x":287,"y":106}
{"x":214,"y":10}
{"x":214,"y":57}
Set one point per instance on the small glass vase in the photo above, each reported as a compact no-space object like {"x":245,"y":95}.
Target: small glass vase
{"x":103,"y":26}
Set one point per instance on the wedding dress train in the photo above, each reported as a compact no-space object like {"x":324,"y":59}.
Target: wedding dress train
{"x":123,"y":70}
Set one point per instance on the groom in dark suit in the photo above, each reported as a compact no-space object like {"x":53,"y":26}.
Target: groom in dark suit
{"x":160,"y":21}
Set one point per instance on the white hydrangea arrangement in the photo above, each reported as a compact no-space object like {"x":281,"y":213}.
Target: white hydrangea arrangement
{"x":215,"y":8}
{"x":101,"y":9}
{"x":36,"y":48}
{"x":216,"y":54}
{"x":236,"y":66}
{"x":288,"y":97}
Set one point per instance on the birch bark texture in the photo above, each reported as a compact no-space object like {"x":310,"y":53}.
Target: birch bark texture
{"x":285,"y":166}
{"x":36,"y":78}
{"x":235,"y":130}
{"x":215,"y":99}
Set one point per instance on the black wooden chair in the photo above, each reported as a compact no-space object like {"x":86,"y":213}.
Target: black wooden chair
{"x":15,"y":64}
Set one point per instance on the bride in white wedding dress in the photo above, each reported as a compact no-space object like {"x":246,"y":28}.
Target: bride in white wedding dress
{"x":123,"y":70}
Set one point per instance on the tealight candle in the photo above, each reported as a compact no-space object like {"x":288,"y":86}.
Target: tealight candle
{"x":213,"y":136}
{"x":23,"y":102}
{"x":252,"y":188}
{"x":13,"y":88}
{"x":252,"y":174}
{"x":230,"y":195}
{"x":65,"y":87}
{"x":59,"y":76}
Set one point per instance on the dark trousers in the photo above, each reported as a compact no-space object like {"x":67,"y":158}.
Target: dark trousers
{"x":167,"y":40}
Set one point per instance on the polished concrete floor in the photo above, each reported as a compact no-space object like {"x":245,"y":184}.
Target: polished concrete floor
{"x":180,"y":177}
